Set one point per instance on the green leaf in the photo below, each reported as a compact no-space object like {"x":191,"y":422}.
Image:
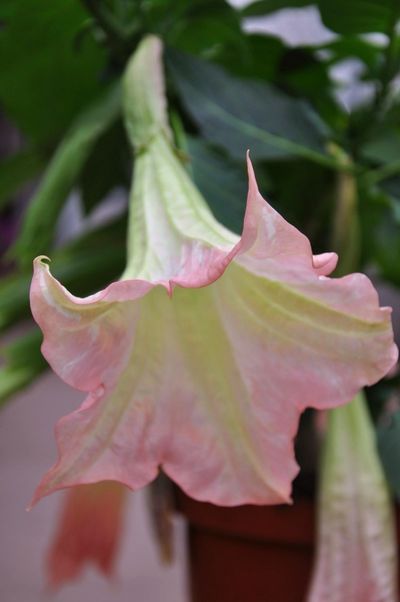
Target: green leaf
{"x":386,"y":246}
{"x":242,"y":114}
{"x":166,"y":17}
{"x":388,"y":436}
{"x":259,"y":57}
{"x":357,"y":16}
{"x":384,"y":148}
{"x":222,"y":181}
{"x":212,"y":33}
{"x":46,"y":77}
{"x":109,"y":166}
{"x":351,"y":46}
{"x":23,"y":363}
{"x":265,"y":7}
{"x":392,"y":187}
{"x":16,"y":171}
{"x":41,"y":216}
{"x":14,"y":298}
{"x":84,"y":266}
{"x":294,"y":197}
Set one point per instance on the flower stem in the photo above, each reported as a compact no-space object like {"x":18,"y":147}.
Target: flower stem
{"x":346,"y":237}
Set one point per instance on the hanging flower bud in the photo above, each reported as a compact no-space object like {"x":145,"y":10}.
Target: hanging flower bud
{"x":88,"y":531}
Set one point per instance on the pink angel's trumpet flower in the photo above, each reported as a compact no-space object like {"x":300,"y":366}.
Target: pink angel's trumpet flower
{"x":356,"y":553}
{"x":88,"y":531}
{"x":203,"y":356}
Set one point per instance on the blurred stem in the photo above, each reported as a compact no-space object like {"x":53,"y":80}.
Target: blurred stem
{"x":389,"y":65}
{"x":381,"y":173}
{"x":180,"y":139}
{"x":112,"y":32}
{"x":346,"y":237}
{"x":179,"y":131}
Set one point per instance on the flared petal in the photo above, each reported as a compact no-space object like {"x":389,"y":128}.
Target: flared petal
{"x":324,"y":338}
{"x":356,"y":550}
{"x":86,"y":341}
{"x":88,"y":531}
{"x":181,"y":402}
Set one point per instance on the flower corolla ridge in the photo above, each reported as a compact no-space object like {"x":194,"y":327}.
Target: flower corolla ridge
{"x":202,"y":357}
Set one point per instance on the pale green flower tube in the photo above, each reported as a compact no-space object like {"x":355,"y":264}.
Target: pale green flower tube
{"x":356,"y":551}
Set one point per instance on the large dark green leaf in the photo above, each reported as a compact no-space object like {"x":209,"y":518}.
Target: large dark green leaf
{"x":358,"y":16}
{"x":389,"y":450}
{"x":222,"y":181}
{"x":353,"y":46}
{"x":386,"y":246}
{"x":84,"y":266}
{"x":392,"y":187}
{"x":23,"y":363}
{"x":265,"y":7}
{"x":259,"y":57}
{"x":167,"y":17}
{"x":304,"y":196}
{"x":109,"y":166}
{"x":45,"y":76}
{"x":208,"y":29}
{"x":39,"y":222}
{"x":16,"y":171}
{"x":240,"y":114}
{"x":384,"y":147}
{"x":206,"y":36}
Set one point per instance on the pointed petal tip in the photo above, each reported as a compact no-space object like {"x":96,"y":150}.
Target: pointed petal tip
{"x":253,"y":187}
{"x":41,"y":261}
{"x":37,"y":496}
{"x":40,"y":492}
{"x":325,"y":263}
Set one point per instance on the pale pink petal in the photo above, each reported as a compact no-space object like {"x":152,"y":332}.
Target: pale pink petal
{"x":86,"y":341}
{"x":356,"y":550}
{"x":327,"y":338}
{"x":183,"y":403}
{"x":88,"y":531}
{"x":325,"y":263}
{"x":210,"y":383}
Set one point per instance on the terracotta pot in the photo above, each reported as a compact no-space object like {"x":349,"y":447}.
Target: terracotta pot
{"x":249,"y":553}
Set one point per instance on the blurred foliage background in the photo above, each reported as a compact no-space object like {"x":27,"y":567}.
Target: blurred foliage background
{"x":326,"y":150}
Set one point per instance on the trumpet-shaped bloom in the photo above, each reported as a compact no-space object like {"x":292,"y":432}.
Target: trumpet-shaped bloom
{"x":202,"y":357}
{"x":356,"y":554}
{"x":88,"y":531}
